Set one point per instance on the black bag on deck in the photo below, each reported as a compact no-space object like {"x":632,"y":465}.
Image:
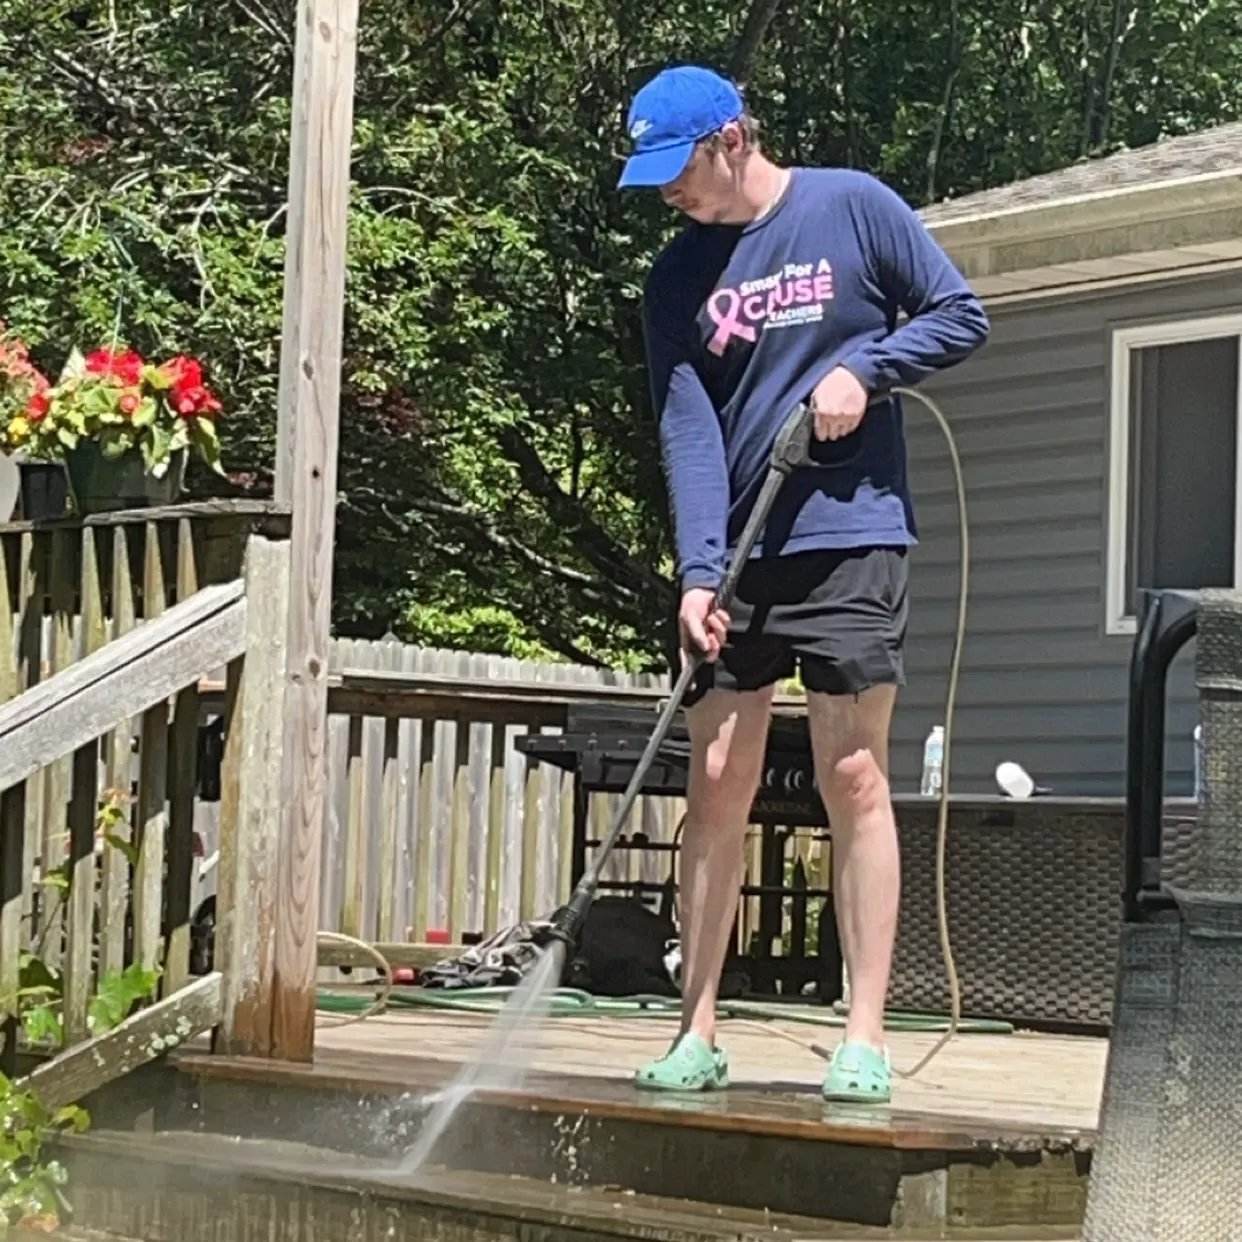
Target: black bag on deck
{"x":621,"y":950}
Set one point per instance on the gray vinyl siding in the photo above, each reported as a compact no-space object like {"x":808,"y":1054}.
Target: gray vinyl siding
{"x":1041,"y":682}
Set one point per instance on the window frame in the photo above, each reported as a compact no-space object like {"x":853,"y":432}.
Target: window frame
{"x":1118,"y":620}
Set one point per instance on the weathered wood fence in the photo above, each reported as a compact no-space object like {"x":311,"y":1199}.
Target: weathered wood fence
{"x":437,"y":825}
{"x":107,"y":628}
{"x":440,"y":824}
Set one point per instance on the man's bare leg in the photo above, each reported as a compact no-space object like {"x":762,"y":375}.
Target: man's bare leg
{"x":850,"y":739}
{"x":728,"y":738}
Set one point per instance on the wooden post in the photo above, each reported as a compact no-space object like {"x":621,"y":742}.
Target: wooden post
{"x":306,"y":469}
{"x":250,"y":812}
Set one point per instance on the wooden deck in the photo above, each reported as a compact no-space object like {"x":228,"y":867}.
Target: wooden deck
{"x":995,"y":1134}
{"x":1015,"y":1083}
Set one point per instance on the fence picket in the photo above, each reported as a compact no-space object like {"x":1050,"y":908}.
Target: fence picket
{"x":440,"y":822}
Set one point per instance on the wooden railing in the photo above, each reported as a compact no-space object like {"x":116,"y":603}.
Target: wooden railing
{"x":107,"y":628}
{"x":435,"y":820}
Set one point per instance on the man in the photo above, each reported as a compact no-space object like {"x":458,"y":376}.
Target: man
{"x":786,"y":286}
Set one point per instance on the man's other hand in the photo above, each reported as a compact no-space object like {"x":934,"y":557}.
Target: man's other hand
{"x":702,"y":629}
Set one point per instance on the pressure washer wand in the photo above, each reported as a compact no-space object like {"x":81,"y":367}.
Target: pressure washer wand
{"x":791,"y":451}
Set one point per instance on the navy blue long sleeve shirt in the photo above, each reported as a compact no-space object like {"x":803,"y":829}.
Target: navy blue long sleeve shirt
{"x":741,"y":324}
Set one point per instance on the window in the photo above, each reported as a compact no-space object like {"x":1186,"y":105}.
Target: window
{"x":1174,"y":516}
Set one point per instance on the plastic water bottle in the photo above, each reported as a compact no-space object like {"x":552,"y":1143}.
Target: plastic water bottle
{"x":1198,"y":761}
{"x":933,"y":761}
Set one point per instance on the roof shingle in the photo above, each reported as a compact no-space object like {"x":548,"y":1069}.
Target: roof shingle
{"x":1211,"y":150}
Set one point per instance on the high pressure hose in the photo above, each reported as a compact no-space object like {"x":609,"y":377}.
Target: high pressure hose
{"x":955,"y":661}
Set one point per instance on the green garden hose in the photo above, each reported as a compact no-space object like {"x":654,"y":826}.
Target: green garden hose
{"x":575,"y":1003}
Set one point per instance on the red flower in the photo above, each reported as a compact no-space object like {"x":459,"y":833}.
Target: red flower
{"x":129,"y":402}
{"x":125,"y":367}
{"x":183,"y":372}
{"x":195,"y":402}
{"x":190,"y":397}
{"x":37,"y":407}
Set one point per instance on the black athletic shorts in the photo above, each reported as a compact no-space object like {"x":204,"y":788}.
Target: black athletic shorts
{"x":837,"y":616}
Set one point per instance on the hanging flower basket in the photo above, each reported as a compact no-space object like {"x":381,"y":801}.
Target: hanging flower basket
{"x":124,"y":428}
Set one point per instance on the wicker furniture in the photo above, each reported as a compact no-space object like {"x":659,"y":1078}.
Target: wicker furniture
{"x":1035,"y":904}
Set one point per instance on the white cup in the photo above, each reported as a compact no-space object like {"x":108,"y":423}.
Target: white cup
{"x":1014,"y":779}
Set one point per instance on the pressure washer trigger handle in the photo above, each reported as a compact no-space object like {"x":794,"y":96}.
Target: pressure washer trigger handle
{"x":792,"y":449}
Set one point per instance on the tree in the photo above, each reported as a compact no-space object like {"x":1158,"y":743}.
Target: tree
{"x":500,"y":483}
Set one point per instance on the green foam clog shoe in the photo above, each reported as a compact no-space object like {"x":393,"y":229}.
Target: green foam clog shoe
{"x":858,"y":1074}
{"x":690,"y":1065}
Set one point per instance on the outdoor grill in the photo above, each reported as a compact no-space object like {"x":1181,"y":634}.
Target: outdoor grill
{"x":1035,"y":886}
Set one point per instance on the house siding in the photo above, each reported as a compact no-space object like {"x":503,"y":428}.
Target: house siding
{"x":1041,"y":682}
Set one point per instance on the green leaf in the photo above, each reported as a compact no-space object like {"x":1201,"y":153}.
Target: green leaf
{"x":207,"y":441}
{"x":117,"y":994}
{"x":144,"y":415}
{"x":34,"y":973}
{"x":156,"y":448}
{"x":96,"y":399}
{"x":128,"y":848}
{"x":57,"y":878}
{"x":72,"y":1117}
{"x":43,"y":1025}
{"x":115,"y":442}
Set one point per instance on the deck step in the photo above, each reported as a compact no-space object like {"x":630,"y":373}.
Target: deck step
{"x":778,"y":1150}
{"x":186,"y":1187}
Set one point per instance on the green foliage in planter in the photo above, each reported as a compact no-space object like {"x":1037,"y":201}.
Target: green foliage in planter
{"x":125,"y":404}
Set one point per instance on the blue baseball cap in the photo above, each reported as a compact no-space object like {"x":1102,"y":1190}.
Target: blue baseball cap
{"x":674,"y":110}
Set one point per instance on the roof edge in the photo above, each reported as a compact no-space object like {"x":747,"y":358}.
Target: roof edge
{"x":1130,"y":220}
{"x":1126,"y":198}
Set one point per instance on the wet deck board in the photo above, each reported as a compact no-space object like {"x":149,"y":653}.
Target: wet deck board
{"x":474,"y":1206}
{"x":1019,"y":1080}
{"x":996,"y":1131}
{"x":980,"y":1085}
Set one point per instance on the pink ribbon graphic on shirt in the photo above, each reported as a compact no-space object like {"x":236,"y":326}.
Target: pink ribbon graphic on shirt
{"x":727,"y":324}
